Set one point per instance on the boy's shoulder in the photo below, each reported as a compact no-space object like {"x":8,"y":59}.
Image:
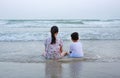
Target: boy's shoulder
{"x":76,"y":43}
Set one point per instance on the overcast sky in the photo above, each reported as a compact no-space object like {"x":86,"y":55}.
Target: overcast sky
{"x":59,"y":9}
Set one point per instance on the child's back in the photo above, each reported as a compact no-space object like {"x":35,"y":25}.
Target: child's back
{"x":76,"y":46}
{"x":76,"y":50}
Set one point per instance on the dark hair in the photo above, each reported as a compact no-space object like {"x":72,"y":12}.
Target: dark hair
{"x":75,"y":36}
{"x":54,"y":29}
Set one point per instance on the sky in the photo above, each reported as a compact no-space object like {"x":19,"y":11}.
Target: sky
{"x":59,"y":9}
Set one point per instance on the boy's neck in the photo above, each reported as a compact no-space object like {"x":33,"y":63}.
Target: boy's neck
{"x":75,"y":41}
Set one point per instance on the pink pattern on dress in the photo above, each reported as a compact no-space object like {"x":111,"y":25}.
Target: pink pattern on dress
{"x":53,"y":50}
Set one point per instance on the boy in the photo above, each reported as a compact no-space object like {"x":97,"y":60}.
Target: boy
{"x":76,"y":47}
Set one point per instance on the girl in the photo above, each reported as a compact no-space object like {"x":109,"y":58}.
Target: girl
{"x":53,"y":45}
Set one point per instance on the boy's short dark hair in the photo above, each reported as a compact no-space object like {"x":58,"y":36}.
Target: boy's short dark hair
{"x":74,"y":36}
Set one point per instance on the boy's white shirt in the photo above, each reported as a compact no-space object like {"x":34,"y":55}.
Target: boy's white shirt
{"x":76,"y":49}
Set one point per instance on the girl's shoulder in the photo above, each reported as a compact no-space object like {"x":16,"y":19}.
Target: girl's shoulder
{"x":59,"y":39}
{"x":48,"y":39}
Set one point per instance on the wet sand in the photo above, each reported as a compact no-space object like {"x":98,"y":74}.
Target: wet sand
{"x":59,"y":70}
{"x":22,"y":60}
{"x":30,"y":52}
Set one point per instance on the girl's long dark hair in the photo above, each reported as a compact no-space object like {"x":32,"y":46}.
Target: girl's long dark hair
{"x":54,"y":29}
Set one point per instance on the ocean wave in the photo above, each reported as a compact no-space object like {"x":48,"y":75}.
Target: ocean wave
{"x":69,"y":22}
{"x":73,"y":23}
{"x":26,"y":36}
{"x":29,"y":30}
{"x":33,"y":36}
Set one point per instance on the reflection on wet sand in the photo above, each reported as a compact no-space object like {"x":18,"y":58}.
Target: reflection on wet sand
{"x":72,"y":70}
{"x":75,"y":68}
{"x":53,"y":69}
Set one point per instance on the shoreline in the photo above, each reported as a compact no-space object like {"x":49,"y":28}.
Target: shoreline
{"x":22,"y":60}
{"x":95,"y":51}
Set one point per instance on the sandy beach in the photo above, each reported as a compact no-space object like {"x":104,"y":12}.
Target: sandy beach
{"x":60,"y":70}
{"x":23,"y":60}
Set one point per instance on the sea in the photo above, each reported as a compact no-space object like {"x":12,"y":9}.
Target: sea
{"x":39,"y":29}
{"x":21,"y":40}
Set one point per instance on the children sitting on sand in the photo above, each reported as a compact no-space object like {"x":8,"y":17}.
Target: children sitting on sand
{"x":53,"y":46}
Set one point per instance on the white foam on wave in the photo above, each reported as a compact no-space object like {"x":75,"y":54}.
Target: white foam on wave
{"x":26,"y":30}
{"x":91,"y":23}
{"x":31,"y":36}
